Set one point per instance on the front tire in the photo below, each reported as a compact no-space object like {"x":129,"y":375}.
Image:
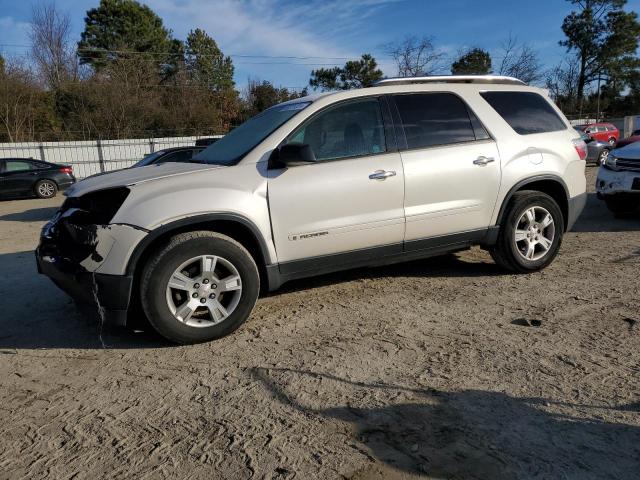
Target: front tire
{"x":621,"y":205}
{"x":530,"y":234}
{"x":602,"y":157}
{"x":198,"y":287}
{"x":45,"y":188}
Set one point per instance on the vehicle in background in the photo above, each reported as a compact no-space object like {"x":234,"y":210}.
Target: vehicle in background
{"x":406,"y":169}
{"x":634,"y":137}
{"x":597,"y":151}
{"x":605,"y":132}
{"x":175,"y":154}
{"x":205,"y":142}
{"x":618,"y":181}
{"x":28,"y":177}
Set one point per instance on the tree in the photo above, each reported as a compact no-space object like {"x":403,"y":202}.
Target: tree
{"x":24,"y":108}
{"x":472,"y":62}
{"x":354,"y":74}
{"x":206,"y":63}
{"x":261,"y":95}
{"x":124,"y":29}
{"x":520,"y":61}
{"x":604,"y":37}
{"x":416,"y":56}
{"x":562,"y":83}
{"x":51,"y":46}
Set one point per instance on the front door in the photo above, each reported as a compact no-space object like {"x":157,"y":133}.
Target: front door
{"x":349,"y":200}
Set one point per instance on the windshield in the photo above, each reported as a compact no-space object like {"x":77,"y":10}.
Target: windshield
{"x":148,"y":159}
{"x":230,"y":149}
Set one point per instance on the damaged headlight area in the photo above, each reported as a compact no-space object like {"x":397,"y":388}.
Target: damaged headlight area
{"x":71,"y":235}
{"x":611,"y":162}
{"x":97,"y":208}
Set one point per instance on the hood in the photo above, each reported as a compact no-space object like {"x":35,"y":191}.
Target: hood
{"x":631,"y":151}
{"x":133,"y":176}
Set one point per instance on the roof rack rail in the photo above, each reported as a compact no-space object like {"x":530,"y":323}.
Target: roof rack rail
{"x":494,"y":79}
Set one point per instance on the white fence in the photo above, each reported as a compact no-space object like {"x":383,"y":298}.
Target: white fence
{"x":90,"y":157}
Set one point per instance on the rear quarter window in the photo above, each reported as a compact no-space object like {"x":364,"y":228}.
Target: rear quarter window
{"x":526,"y":112}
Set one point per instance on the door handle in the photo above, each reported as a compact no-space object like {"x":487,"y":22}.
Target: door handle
{"x":482,"y":160}
{"x":382,"y":174}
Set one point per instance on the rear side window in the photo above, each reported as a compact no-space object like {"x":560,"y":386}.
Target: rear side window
{"x":16,"y":166}
{"x":435,"y":119}
{"x":525,"y":112}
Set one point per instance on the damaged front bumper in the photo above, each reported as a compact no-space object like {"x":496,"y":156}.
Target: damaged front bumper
{"x":108,"y":294}
{"x":88,"y":261}
{"x":611,"y":182}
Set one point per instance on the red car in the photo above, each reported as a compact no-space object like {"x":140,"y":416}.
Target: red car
{"x":605,"y":132}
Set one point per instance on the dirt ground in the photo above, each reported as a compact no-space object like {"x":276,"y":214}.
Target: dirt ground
{"x":443,"y":368}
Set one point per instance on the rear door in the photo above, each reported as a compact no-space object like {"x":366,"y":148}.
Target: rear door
{"x":451,"y":166}
{"x":2,"y":175}
{"x":19,"y":177}
{"x":349,"y":200}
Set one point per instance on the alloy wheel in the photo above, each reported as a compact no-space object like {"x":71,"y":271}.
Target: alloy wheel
{"x":46,"y":189}
{"x":204,"y":291}
{"x":534,"y":233}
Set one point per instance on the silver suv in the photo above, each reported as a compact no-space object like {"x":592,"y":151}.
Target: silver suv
{"x":407,"y":169}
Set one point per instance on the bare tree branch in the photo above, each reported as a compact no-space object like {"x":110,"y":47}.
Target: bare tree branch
{"x":51,"y":46}
{"x":520,"y":61}
{"x":416,"y":56}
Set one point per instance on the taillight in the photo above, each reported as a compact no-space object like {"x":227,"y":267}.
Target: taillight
{"x":66,"y":170}
{"x":581,"y":148}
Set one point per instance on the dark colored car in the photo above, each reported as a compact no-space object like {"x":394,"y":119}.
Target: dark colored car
{"x":597,"y":151}
{"x":633,"y":138}
{"x":27,"y":177}
{"x":205,"y":142}
{"x":176,"y":154}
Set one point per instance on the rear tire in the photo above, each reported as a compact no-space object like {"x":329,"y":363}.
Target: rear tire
{"x":45,"y":188}
{"x":530,"y":233}
{"x":215,"y":308}
{"x":612,"y":141}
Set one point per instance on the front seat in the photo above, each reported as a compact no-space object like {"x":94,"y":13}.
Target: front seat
{"x":354,"y":143}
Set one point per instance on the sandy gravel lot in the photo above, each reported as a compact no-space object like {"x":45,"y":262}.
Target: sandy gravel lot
{"x":429,"y":369}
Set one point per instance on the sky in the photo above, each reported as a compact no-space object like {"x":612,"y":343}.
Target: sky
{"x":283,"y":40}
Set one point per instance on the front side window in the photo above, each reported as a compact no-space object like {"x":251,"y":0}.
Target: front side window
{"x":526,"y":112}
{"x":349,"y":130}
{"x":432,"y":119}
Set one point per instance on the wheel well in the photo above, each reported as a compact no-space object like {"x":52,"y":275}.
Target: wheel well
{"x":236,"y":230}
{"x":43,"y":179}
{"x":553,"y":188}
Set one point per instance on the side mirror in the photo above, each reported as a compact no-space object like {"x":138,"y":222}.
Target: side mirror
{"x":293,"y":155}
